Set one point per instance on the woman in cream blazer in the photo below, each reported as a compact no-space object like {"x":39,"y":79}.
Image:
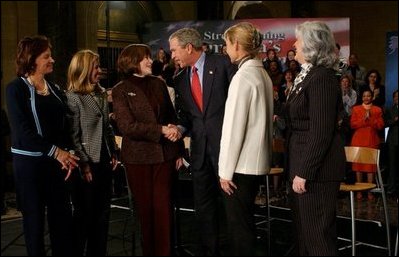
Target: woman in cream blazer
{"x":246,"y":143}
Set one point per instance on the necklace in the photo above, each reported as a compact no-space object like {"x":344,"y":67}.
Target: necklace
{"x":44,"y":91}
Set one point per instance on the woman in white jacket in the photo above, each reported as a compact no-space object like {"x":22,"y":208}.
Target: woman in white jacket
{"x":246,"y":143}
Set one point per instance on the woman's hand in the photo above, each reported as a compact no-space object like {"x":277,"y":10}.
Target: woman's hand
{"x":227,"y":186}
{"x":299,"y":185}
{"x":68,"y":160}
{"x":179,"y":163}
{"x":86,"y":172}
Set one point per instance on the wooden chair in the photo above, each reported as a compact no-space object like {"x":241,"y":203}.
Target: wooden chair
{"x":365,"y":155}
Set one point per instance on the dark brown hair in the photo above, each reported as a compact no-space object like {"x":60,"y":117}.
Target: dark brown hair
{"x":130,"y":58}
{"x":29,"y":48}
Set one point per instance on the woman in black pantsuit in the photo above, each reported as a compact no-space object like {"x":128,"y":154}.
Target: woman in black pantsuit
{"x":37,"y":114}
{"x":316,"y":156}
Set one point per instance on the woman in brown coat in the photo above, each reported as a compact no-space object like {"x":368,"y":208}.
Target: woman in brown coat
{"x":143,"y":111}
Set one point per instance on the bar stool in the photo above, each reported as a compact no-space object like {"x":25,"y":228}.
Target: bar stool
{"x":273,"y":171}
{"x":366,"y":155}
{"x":357,"y":187}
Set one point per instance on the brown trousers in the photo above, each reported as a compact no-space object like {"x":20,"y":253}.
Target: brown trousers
{"x":151,"y":186}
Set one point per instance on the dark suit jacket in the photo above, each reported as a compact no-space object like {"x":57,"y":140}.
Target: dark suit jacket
{"x":315,"y":149}
{"x":36,"y":136}
{"x":141,"y":125}
{"x":205,"y":127}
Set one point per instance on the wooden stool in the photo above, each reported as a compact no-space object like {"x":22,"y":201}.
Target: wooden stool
{"x":357,"y":187}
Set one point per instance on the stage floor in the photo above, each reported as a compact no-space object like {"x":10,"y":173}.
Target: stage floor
{"x":368,"y":213}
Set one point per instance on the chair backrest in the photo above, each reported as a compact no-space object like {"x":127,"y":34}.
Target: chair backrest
{"x":118,"y":141}
{"x":364,"y":155}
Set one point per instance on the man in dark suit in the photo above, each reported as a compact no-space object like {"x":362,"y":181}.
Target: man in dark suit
{"x":201,"y":115}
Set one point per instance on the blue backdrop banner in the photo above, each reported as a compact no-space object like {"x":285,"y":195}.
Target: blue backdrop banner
{"x":391,"y":76}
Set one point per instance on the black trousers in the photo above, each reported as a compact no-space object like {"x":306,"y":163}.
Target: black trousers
{"x":40,"y":184}
{"x":240,"y":210}
{"x":91,"y":202}
{"x":314,"y":216}
{"x":206,"y":190}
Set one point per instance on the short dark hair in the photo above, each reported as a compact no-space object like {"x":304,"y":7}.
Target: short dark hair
{"x":29,"y":48}
{"x":130,"y":58}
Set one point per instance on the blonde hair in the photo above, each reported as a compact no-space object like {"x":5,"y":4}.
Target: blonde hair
{"x":79,"y":72}
{"x":246,"y":35}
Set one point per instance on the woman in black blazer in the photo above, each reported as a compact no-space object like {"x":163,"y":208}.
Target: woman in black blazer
{"x":37,"y":114}
{"x":316,"y":156}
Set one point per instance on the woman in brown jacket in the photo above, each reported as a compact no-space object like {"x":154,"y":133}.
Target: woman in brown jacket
{"x":143,"y":111}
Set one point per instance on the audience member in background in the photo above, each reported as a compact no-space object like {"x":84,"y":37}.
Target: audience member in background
{"x":39,"y":133}
{"x":275,"y":74}
{"x":366,"y":121}
{"x":144,"y":114}
{"x":342,"y":65}
{"x":93,"y":141}
{"x":288,"y":82}
{"x":316,"y":156}
{"x":349,"y":98}
{"x":162,"y":58}
{"x":170,"y":72}
{"x":246,"y":143}
{"x":357,"y":72}
{"x":202,"y":88}
{"x":289,"y":57}
{"x":271,"y":55}
{"x":295,"y":67}
{"x":373,"y":82}
{"x":391,"y":121}
{"x":156,"y":70}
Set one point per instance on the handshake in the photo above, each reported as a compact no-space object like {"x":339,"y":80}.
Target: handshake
{"x":171,"y":132}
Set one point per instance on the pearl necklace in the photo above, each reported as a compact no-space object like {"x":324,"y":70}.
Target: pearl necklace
{"x":43,"y":92}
